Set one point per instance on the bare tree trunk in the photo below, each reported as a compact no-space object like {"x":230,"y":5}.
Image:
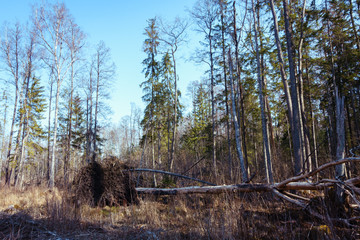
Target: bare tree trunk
{"x":21,"y":128}
{"x":14,"y":69}
{"x":153,"y":156}
{"x":244,"y":172}
{"x":68,"y":144}
{"x":212,"y":83}
{"x":3,"y":134}
{"x":315,"y":162}
{"x":90,"y":135}
{"x":96,"y":111}
{"x":239,"y":89}
{"x":296,"y":134}
{"x":25,"y":118}
{"x":226,"y":92}
{"x":53,"y":158}
{"x":49,"y":133}
{"x":172,"y":154}
{"x":281,"y":63}
{"x":19,"y":184}
{"x":267,"y":153}
{"x":340,"y":148}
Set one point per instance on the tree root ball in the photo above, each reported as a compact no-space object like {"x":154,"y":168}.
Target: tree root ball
{"x":108,"y":183}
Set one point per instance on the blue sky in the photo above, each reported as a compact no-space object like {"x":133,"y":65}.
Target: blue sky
{"x":120,"y":24}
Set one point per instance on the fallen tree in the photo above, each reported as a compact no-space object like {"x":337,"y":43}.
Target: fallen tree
{"x":334,"y":213}
{"x":292,"y":183}
{"x":245,"y":187}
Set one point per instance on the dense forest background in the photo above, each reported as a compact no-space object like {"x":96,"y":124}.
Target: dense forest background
{"x":281,"y":95}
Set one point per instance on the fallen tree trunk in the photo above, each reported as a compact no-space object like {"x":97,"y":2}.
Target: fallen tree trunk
{"x":245,"y":187}
{"x":288,"y":184}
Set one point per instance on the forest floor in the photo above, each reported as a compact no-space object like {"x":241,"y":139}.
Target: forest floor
{"x":40,"y":213}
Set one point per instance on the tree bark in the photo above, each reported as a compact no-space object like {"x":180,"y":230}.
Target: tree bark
{"x":53,"y":158}
{"x":282,"y":64}
{"x":226,"y":91}
{"x":340,"y":148}
{"x":239,"y":88}
{"x":14,"y":70}
{"x":296,"y":134}
{"x":244,"y":172}
{"x":49,"y":133}
{"x":267,"y":151}
{"x":212,"y":83}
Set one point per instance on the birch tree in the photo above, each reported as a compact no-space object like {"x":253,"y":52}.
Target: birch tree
{"x":11,"y":54}
{"x":75,"y":42}
{"x":51,"y":22}
{"x":173,"y":35}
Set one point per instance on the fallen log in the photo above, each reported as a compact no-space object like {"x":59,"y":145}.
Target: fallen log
{"x":244,"y":187}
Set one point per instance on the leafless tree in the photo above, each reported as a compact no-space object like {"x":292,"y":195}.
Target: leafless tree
{"x":75,"y":43}
{"x":173,"y":35}
{"x":52,"y":24}
{"x":12,"y":55}
{"x":104,"y":73}
{"x":205,"y":14}
{"x":267,"y":151}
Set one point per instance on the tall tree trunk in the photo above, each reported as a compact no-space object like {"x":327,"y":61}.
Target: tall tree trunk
{"x":53,"y":158}
{"x":315,"y":162}
{"x":153,"y":156}
{"x":3,"y":134}
{"x":96,"y":111}
{"x":172,"y":154}
{"x":19,"y":183}
{"x":8,"y":157}
{"x":212,"y":83}
{"x":24,"y":120}
{"x":267,"y":153}
{"x":239,"y":89}
{"x":340,"y":146}
{"x":296,"y":134}
{"x":89,"y":120}
{"x":49,"y":133}
{"x":282,"y":63}
{"x":305,"y":131}
{"x":21,"y":130}
{"x":244,"y":172}
{"x":226,"y":91}
{"x":68,"y":147}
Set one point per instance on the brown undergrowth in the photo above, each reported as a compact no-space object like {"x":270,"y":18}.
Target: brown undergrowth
{"x":38,"y":213}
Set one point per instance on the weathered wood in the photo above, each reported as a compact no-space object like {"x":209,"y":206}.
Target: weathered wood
{"x":206,"y":189}
{"x":246,"y":187}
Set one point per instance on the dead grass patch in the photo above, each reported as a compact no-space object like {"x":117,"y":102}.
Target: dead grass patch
{"x":44,"y":214}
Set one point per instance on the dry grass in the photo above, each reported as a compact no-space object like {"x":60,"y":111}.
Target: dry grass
{"x":39,"y":213}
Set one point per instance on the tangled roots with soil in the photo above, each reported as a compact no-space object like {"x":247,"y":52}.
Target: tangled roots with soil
{"x":106,"y":183}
